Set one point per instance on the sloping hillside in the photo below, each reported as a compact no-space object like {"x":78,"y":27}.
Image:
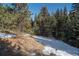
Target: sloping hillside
{"x":56,"y":47}
{"x":25,"y":44}
{"x":20,"y":45}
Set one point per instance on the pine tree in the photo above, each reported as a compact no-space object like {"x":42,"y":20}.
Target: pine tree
{"x":36,"y":25}
{"x":43,"y":19}
{"x":62,"y":22}
{"x":58,"y":16}
{"x":53,"y":22}
{"x":74,"y":16}
{"x":24,"y":19}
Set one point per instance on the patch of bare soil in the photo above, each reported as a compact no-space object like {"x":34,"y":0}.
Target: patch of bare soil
{"x":22,"y":45}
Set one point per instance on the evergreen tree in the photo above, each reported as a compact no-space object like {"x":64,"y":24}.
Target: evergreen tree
{"x":36,"y":25}
{"x":59,"y":29}
{"x":43,"y":18}
{"x":62,"y":23}
{"x":53,"y":22}
{"x":24,"y":19}
{"x":74,"y":16}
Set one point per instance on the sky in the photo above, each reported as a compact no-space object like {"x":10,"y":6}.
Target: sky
{"x":52,"y":7}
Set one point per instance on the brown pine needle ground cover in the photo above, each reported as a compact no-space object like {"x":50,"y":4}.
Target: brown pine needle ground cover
{"x":23,"y":44}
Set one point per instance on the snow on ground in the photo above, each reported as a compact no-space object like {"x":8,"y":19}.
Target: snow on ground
{"x":32,"y":54}
{"x":53,"y":46}
{"x":49,"y":50}
{"x":4,"y":35}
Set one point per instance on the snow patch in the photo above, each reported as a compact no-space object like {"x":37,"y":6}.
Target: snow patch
{"x":32,"y":54}
{"x":57,"y":47}
{"x":4,"y":35}
{"x":49,"y":50}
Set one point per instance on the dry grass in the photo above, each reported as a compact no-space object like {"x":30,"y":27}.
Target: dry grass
{"x":22,"y":45}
